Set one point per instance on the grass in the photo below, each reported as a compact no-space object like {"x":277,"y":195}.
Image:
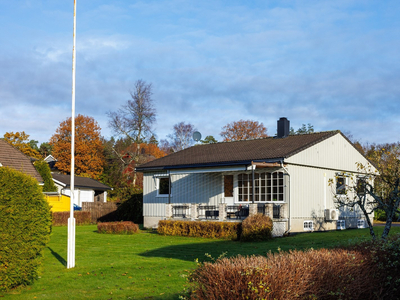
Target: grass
{"x":146,"y":265}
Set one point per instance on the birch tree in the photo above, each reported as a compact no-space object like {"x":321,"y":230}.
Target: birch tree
{"x":134,"y":120}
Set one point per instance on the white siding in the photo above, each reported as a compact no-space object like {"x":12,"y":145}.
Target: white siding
{"x":185,"y":188}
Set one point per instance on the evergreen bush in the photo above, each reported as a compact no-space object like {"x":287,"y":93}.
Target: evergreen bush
{"x":44,"y":170}
{"x":256,"y":228}
{"x":25,"y":226}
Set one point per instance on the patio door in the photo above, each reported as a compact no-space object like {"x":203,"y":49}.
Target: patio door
{"x":228,"y":189}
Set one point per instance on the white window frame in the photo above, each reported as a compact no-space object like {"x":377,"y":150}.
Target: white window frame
{"x":158,"y":187}
{"x":306,"y":225}
{"x":345,"y":177}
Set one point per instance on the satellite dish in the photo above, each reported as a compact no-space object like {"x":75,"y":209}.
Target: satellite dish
{"x":197,"y":136}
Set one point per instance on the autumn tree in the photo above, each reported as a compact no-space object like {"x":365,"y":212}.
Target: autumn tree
{"x":134,"y":120}
{"x":243,"y":130}
{"x":89,"y":158}
{"x":181,"y":138}
{"x":20,"y":140}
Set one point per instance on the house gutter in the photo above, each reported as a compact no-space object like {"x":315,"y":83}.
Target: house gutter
{"x":289,"y":204}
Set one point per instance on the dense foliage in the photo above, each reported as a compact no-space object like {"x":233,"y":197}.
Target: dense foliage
{"x":44,"y":170}
{"x":60,"y":218}
{"x":243,"y":130}
{"x":226,"y":230}
{"x":25,"y":226}
{"x":125,"y":227}
{"x":366,"y":271}
{"x":89,"y":159}
{"x":256,"y":228}
{"x":20,"y":140}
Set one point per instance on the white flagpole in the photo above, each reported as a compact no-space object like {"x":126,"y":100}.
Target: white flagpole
{"x":71,"y":220}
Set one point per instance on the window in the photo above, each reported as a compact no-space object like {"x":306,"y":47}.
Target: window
{"x":163,"y":186}
{"x":228,"y":185}
{"x":308,"y":225}
{"x":340,"y":185}
{"x":267,"y":187}
{"x":361,"y":185}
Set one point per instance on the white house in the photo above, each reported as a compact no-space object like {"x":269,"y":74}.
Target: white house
{"x":286,"y":177}
{"x":85,"y":189}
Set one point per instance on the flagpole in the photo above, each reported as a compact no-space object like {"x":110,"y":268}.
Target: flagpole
{"x":71,"y":220}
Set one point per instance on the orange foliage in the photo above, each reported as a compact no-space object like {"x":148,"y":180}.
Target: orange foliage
{"x":243,"y":130}
{"x":152,"y":149}
{"x":20,"y":140}
{"x":89,"y":158}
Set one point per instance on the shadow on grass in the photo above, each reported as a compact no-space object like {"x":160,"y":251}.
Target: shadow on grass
{"x":58,"y":257}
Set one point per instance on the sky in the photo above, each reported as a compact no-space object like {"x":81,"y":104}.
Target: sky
{"x":333,"y":64}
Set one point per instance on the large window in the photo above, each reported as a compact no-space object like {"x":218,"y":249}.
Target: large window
{"x":163,"y":186}
{"x":267,"y":187}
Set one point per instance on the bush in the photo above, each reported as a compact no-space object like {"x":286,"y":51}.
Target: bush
{"x":365,"y":271}
{"x":256,"y":228}
{"x":44,"y":170}
{"x":25,"y":226}
{"x":226,"y":230}
{"x":126,"y":227}
{"x":60,"y":218}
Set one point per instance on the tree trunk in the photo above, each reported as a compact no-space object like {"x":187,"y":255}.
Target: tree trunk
{"x":388,"y":225}
{"x":371,"y":228}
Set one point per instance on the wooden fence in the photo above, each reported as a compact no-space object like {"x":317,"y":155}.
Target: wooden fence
{"x":99,"y":209}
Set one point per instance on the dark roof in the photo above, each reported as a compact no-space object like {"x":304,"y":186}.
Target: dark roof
{"x":81,"y":182}
{"x":229,"y":153}
{"x":13,"y":158}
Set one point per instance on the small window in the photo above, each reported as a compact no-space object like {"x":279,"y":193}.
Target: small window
{"x":340,"y":185}
{"x":308,"y":226}
{"x":163,"y":186}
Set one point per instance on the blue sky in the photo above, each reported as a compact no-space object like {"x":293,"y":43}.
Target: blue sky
{"x":334,"y":64}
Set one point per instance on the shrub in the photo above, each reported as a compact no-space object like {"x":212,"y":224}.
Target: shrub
{"x":365,"y":271}
{"x":25,"y":226}
{"x":126,"y":227}
{"x":60,"y":218}
{"x":226,"y":230}
{"x":44,"y":170}
{"x":256,"y":228}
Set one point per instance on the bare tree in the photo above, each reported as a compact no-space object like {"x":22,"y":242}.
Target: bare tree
{"x":180,"y":139}
{"x":134,"y":120}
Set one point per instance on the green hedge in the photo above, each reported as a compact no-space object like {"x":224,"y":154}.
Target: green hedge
{"x":44,"y":170}
{"x":25,"y":226}
{"x":206,"y":229}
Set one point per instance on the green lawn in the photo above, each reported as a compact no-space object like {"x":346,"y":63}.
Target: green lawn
{"x":146,"y":265}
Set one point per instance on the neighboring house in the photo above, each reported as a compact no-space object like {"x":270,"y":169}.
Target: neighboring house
{"x":285,"y":177}
{"x":51,"y":161}
{"x":85,"y":189}
{"x":15,"y":159}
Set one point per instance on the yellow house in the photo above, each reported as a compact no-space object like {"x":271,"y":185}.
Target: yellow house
{"x":57,"y":202}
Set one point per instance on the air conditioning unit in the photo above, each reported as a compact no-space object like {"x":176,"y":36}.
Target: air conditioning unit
{"x":361,"y":223}
{"x":331,"y":214}
{"x":341,"y":225}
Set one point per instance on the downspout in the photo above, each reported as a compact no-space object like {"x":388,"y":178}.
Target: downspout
{"x":252,"y":182}
{"x":289,"y":203}
{"x":169,"y":187}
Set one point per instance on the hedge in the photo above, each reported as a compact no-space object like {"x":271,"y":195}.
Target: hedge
{"x":126,"y":227}
{"x":25,"y":226}
{"x":44,"y":170}
{"x":60,"y":218}
{"x":206,"y":229}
